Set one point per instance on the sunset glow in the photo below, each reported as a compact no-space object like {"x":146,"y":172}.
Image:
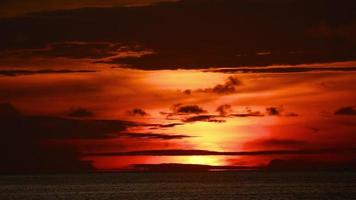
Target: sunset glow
{"x":136,"y":85}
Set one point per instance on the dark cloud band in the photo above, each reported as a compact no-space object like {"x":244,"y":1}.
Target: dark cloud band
{"x":216,"y":153}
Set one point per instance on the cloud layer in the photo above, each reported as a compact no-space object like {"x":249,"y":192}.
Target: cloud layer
{"x":186,"y":35}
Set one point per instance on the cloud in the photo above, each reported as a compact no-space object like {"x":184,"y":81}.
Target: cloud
{"x":200,"y":45}
{"x":224,"y":110}
{"x":189,"y":114}
{"x":160,"y":126}
{"x":91,"y":50}
{"x":187,"y":92}
{"x":273,"y":111}
{"x":95,"y":51}
{"x":285,"y":70}
{"x":10,"y":8}
{"x":80,"y":112}
{"x":178,"y":152}
{"x":52,"y":57}
{"x":8,"y":111}
{"x":227,"y":88}
{"x":277,"y":143}
{"x":313,"y":129}
{"x":203,"y":118}
{"x":194,"y":113}
{"x":68,"y":49}
{"x":170,"y":125}
{"x":248,"y":113}
{"x":292,"y":114}
{"x":270,"y":111}
{"x":346,"y":111}
{"x":44,"y":71}
{"x":30,"y":157}
{"x":251,"y":114}
{"x":46,"y":127}
{"x":154,"y":136}
{"x":137,"y":112}
{"x":24,"y":147}
{"x":187,"y":109}
{"x":279,"y":111}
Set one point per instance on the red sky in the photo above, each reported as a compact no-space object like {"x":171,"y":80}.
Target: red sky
{"x":112,"y":88}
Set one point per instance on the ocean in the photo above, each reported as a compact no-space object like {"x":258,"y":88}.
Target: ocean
{"x":177,"y":186}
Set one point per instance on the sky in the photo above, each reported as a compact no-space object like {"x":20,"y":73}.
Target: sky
{"x":167,"y":85}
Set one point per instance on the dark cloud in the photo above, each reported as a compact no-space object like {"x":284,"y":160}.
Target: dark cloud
{"x":160,"y":126}
{"x":292,"y":114}
{"x":279,"y":143}
{"x":23,"y":146}
{"x":177,"y":152}
{"x":285,"y":70}
{"x":279,"y":111}
{"x":194,"y":113}
{"x":273,"y":111}
{"x":154,"y":136}
{"x":187,"y":109}
{"x":203,"y":118}
{"x":224,"y":110}
{"x":169,"y":125}
{"x":346,"y":111}
{"x":228,"y":87}
{"x":10,"y":8}
{"x":187,"y":92}
{"x":188,"y":114}
{"x":248,"y":113}
{"x":137,"y":112}
{"x":80,"y":112}
{"x":314,"y":129}
{"x":45,"y":127}
{"x":95,"y":51}
{"x":8,"y":111}
{"x":21,"y":156}
{"x":187,"y":35}
{"x":45,"y":71}
{"x":80,"y":50}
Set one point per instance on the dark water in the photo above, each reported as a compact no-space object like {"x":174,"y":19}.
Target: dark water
{"x":147,"y":186}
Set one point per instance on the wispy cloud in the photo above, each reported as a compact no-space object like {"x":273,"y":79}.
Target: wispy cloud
{"x":290,"y":69}
{"x":177,"y":152}
{"x":298,"y":42}
{"x":45,"y":71}
{"x":137,"y":112}
{"x":230,"y":86}
{"x":346,"y":111}
{"x":80,"y":112}
{"x":159,"y":136}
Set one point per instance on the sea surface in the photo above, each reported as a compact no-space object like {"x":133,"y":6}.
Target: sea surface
{"x":174,"y":186}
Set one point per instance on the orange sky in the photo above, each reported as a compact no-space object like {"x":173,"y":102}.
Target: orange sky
{"x":119,"y":85}
{"x":304,"y":102}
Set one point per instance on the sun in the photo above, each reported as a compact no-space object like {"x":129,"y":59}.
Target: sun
{"x":204,"y":160}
